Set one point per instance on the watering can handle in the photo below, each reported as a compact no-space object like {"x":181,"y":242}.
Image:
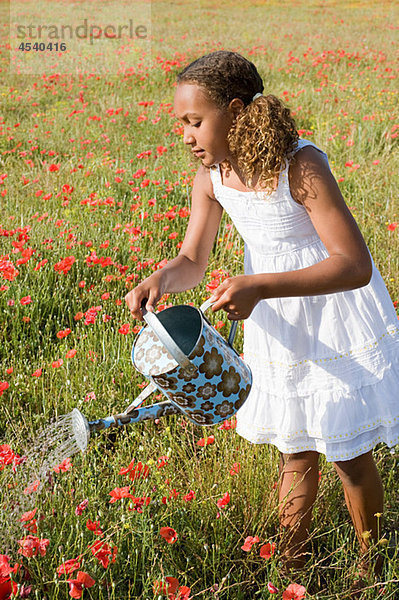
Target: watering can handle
{"x":207,"y":304}
{"x":152,"y":320}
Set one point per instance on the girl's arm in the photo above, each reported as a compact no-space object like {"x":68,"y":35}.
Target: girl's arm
{"x":187,"y":269}
{"x":348,"y":265}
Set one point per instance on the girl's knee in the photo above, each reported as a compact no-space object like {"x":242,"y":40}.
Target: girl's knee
{"x":357,"y":470}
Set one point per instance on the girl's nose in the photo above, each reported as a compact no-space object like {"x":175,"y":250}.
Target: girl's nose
{"x":188,"y":137}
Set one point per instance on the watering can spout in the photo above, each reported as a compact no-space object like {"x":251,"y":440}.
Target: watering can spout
{"x":81,"y":429}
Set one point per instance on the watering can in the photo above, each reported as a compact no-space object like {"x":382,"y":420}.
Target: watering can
{"x":183,"y":356}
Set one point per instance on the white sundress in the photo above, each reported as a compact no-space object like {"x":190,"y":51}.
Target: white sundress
{"x":325,"y":368}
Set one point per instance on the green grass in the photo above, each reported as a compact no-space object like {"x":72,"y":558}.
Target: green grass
{"x":336,"y":63}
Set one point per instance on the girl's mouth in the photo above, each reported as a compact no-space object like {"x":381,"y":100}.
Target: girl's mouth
{"x":199,"y":153}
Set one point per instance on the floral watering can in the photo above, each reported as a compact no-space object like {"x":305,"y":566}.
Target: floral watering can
{"x":185,"y":358}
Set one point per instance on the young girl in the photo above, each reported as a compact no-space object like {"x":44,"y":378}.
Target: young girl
{"x":321,"y":334}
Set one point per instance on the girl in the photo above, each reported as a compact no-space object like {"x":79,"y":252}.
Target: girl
{"x":321,"y":334}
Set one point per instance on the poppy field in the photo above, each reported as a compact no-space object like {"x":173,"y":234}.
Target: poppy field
{"x":95,"y":187}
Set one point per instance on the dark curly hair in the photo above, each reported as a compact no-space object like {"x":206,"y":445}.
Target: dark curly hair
{"x":264,"y":133}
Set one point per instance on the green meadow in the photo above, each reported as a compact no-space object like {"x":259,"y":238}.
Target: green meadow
{"x":95,"y":186}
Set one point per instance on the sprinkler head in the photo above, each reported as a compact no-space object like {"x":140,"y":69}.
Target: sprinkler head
{"x":80,"y":429}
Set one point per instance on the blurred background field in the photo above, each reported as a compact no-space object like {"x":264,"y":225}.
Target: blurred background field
{"x":94,"y":195}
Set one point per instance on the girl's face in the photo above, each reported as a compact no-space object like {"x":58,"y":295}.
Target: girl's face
{"x":205,"y":124}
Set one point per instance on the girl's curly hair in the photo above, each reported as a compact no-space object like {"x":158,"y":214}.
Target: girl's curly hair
{"x":264,"y":133}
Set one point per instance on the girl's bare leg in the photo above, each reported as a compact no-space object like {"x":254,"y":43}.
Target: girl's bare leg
{"x":364,"y":497}
{"x":299,"y":475}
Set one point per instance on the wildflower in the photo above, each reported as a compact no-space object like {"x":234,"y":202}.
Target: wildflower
{"x":235,"y":469}
{"x":190,"y":496}
{"x":7,"y":587}
{"x":4,"y":385}
{"x":272,"y":588}
{"x":102,"y":551}
{"x":94,"y":526}
{"x":125,"y":329}
{"x":83,"y":580}
{"x":25,"y":300}
{"x":206,"y":441}
{"x":135,"y":472}
{"x":226,"y":425}
{"x":222,"y":502}
{"x":37,"y":373}
{"x":65,"y":264}
{"x":162,"y":461}
{"x":249,"y":542}
{"x":71,"y":353}
{"x":5,"y":567}
{"x":57,"y":363}
{"x":267,"y":550}
{"x":294,"y":592}
{"x":28,"y":515}
{"x":81,"y":507}
{"x":64,"y":466}
{"x":31,"y":546}
{"x":63,"y":333}
{"x":169,"y":534}
{"x":32,"y":487}
{"x":119,"y":493}
{"x":90,"y":396}
{"x":68,"y":567}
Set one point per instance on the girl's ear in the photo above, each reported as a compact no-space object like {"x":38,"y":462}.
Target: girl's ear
{"x":236,"y":106}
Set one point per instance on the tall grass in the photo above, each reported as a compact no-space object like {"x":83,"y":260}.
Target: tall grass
{"x":334,"y":65}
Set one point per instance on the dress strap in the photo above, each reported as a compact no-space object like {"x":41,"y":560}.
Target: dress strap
{"x":216,"y":177}
{"x":302,"y":144}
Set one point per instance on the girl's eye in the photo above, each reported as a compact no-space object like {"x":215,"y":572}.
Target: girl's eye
{"x":197,"y":124}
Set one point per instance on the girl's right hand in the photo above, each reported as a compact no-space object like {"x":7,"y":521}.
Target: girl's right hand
{"x":149,"y":290}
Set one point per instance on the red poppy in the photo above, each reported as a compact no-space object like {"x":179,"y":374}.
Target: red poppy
{"x":5,"y":567}
{"x":102,"y":551}
{"x":37,"y":373}
{"x":68,"y":567}
{"x":272,"y":588}
{"x":63,"y":333}
{"x":32,"y":487}
{"x":76,"y":585}
{"x":32,"y":546}
{"x":94,"y":526}
{"x":4,"y":385}
{"x":119,"y":493}
{"x":81,"y":507}
{"x":294,"y":592}
{"x":249,"y":542}
{"x":135,"y":472}
{"x":64,"y":466}
{"x":125,"y":329}
{"x":27,"y":516}
{"x":26,"y":300}
{"x":222,"y":502}
{"x":169,"y":534}
{"x":7,"y":587}
{"x":235,"y":469}
{"x":267,"y":550}
{"x":206,"y":441}
{"x":190,"y":496}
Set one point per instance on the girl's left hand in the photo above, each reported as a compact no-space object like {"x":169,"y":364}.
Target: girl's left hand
{"x":237,"y":296}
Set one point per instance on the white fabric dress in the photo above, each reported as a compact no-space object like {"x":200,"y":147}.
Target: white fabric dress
{"x":325,"y":368}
